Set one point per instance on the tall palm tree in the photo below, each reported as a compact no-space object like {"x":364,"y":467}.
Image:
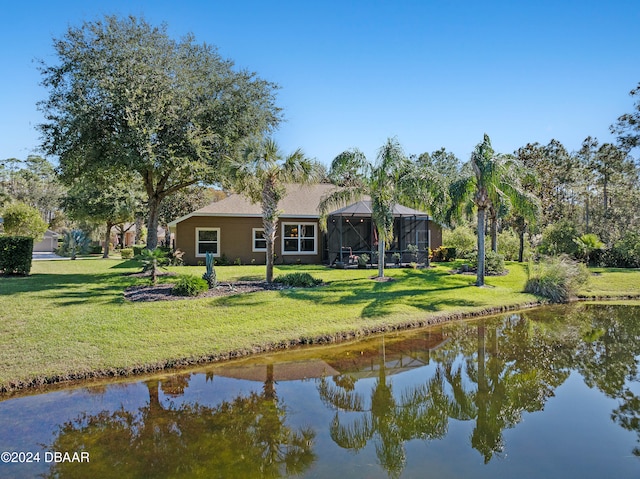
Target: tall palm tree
{"x":495,"y":180}
{"x":384,"y":182}
{"x":260,"y":172}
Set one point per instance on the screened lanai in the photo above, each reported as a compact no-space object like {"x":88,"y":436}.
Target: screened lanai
{"x":351,"y":232}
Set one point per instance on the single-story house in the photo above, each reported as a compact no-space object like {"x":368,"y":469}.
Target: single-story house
{"x":232,"y":228}
{"x":48,"y":244}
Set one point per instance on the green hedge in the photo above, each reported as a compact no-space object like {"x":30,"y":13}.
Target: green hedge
{"x":15,"y":254}
{"x":298,"y":280}
{"x":188,"y":285}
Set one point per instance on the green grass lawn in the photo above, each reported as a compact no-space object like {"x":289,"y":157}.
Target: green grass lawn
{"x":69,"y":318}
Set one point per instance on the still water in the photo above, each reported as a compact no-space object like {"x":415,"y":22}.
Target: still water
{"x":552,"y":392}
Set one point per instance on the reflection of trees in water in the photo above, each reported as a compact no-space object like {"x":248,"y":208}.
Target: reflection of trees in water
{"x":607,"y":358}
{"x":244,"y":437}
{"x":491,"y":375}
{"x":421,"y":413}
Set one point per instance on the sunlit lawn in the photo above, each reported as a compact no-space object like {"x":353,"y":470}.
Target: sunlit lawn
{"x":70,"y":316}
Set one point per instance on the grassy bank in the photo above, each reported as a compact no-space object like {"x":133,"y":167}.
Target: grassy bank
{"x":69,"y":319}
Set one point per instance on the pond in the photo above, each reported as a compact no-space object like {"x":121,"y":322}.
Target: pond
{"x":551,"y":392}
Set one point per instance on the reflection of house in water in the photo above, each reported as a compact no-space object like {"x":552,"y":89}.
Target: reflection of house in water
{"x":284,"y":371}
{"x":395,"y":353}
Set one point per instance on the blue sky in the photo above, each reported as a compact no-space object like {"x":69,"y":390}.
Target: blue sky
{"x":353,"y":73}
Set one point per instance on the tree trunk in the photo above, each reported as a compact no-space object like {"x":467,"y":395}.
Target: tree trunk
{"x":152,"y":223}
{"x":107,"y":240}
{"x":270,"y":236}
{"x":139,"y":225}
{"x":481,"y":227}
{"x":521,"y":247}
{"x":494,"y":234}
{"x":380,"y":254}
{"x":270,"y":222}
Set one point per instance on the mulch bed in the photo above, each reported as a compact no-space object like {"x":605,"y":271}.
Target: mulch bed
{"x":162,"y":292}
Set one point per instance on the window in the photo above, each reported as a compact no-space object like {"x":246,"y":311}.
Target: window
{"x":258,"y":242}
{"x":299,"y":238}
{"x":207,"y":240}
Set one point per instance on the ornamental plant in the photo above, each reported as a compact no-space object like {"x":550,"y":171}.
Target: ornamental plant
{"x":152,"y":261}
{"x":210,"y":274}
{"x":556,"y":278}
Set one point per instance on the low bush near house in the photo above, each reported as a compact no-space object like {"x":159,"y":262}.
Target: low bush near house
{"x":189,"y":285}
{"x":298,"y":280}
{"x":126,"y":253}
{"x":443,"y":253}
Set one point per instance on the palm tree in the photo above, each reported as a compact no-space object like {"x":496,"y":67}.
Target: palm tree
{"x":587,"y":244}
{"x":384,"y":182}
{"x":260,"y":172}
{"x":495,"y":180}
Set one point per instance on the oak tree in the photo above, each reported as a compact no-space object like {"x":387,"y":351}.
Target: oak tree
{"x":123,"y":94}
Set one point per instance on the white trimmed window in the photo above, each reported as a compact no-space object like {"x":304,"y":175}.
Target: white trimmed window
{"x":299,"y":238}
{"x":207,"y":240}
{"x":258,"y":241}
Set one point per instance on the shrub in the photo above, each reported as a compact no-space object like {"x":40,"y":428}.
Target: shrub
{"x":493,"y":262}
{"x":509,"y":245}
{"x":298,"y":280}
{"x":463,"y":239}
{"x":556,"y":278}
{"x":443,"y":253}
{"x":222,"y":260}
{"x":15,"y":254}
{"x":189,"y":285}
{"x":625,"y":253}
{"x":557,"y":239}
{"x":21,"y":219}
{"x":126,"y":253}
{"x":138,"y":249}
{"x":413,"y":251}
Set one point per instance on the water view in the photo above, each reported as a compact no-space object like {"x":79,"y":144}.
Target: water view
{"x":552,"y":392}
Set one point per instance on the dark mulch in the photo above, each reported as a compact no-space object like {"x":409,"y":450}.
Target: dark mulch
{"x":162,"y":292}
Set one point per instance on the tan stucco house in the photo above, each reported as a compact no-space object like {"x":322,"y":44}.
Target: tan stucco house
{"x":232,"y":228}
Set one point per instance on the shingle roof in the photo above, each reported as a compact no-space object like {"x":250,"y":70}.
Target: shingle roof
{"x":300,"y":201}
